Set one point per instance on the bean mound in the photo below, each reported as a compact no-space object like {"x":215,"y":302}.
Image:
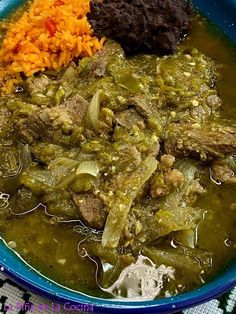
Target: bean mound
{"x":150,"y":26}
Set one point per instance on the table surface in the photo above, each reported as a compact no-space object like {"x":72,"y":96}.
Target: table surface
{"x":16,"y":300}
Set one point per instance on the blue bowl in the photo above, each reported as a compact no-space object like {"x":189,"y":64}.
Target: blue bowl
{"x":223,"y":13}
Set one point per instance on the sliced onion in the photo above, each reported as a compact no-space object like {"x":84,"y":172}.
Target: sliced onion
{"x":64,"y":162}
{"x":88,"y":167}
{"x":94,"y":109}
{"x":26,"y":157}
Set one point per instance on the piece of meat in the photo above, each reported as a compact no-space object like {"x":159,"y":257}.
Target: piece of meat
{"x":76,"y":107}
{"x":203,"y":141}
{"x":129,"y":158}
{"x":50,"y":123}
{"x":97,"y":65}
{"x":222,"y":172}
{"x":174,"y":177}
{"x":142,"y":105}
{"x":91,"y":209}
{"x":103,"y":57}
{"x":167,"y":161}
{"x":213,"y":101}
{"x":203,"y":109}
{"x":163,"y":181}
{"x":37,"y":84}
{"x":128,"y":118}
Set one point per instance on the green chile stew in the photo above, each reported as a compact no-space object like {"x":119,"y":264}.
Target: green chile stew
{"x":116,"y":164}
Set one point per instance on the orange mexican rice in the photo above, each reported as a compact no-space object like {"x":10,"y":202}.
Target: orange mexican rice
{"x":48,"y":35}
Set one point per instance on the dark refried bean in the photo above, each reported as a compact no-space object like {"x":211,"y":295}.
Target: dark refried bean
{"x":150,"y":26}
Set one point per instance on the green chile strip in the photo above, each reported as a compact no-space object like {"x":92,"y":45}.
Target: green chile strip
{"x":123,"y":201}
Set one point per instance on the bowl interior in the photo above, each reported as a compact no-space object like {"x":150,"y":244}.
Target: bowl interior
{"x":223,"y":13}
{"x":13,"y":266}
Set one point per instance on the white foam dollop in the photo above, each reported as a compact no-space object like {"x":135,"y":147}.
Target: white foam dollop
{"x":140,"y":280}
